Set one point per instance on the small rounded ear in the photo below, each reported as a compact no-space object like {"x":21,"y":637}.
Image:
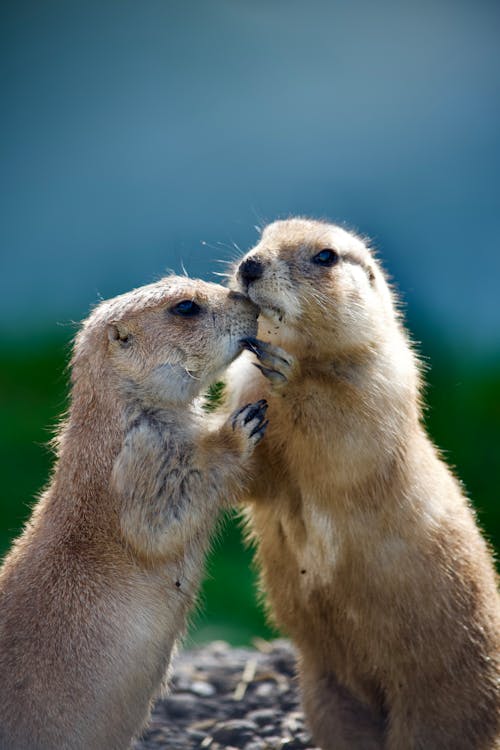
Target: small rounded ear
{"x":118,"y":332}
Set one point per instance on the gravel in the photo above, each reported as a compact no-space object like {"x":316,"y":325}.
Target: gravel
{"x":223,"y":697}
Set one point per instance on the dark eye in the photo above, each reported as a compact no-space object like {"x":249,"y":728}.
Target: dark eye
{"x":187,"y":308}
{"x":325,"y":258}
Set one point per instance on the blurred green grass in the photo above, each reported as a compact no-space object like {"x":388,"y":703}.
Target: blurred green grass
{"x":463,"y":417}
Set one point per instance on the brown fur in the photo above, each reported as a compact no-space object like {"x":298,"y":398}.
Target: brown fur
{"x":369,"y":554}
{"x":96,"y":591}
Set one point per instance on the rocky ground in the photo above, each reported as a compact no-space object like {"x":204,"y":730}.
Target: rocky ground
{"x":223,"y":697}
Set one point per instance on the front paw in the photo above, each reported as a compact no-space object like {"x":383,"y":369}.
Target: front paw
{"x":274,"y":363}
{"x":250,"y":421}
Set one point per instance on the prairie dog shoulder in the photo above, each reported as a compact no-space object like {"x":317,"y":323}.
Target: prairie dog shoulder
{"x":96,"y":590}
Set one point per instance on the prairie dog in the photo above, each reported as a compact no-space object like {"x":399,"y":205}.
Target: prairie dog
{"x":369,"y":554}
{"x":96,"y":591}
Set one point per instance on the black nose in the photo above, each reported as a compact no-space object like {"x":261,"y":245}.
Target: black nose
{"x":250,"y":270}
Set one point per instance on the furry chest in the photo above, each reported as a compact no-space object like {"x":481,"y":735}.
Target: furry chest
{"x":319,"y":552}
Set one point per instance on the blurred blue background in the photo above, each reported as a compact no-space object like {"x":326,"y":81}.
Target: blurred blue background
{"x":137,"y":137}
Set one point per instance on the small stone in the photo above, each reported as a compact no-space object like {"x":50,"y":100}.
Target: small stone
{"x":203,"y":689}
{"x":218,"y":648}
{"x":268,"y":730}
{"x":293,"y":722}
{"x":181,"y":684}
{"x":289,"y":701}
{"x":181,"y":705}
{"x":223,"y":683}
{"x":195,"y":734}
{"x":299,"y":742}
{"x":275,"y":743}
{"x":237,"y":732}
{"x":265,"y":689}
{"x":263,"y":715}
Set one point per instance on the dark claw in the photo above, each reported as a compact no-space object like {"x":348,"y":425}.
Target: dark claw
{"x":252,"y":344}
{"x":264,"y":351}
{"x":258,"y":410}
{"x":273,"y":375}
{"x":259,"y":407}
{"x":235,"y":416}
{"x":260,"y":429}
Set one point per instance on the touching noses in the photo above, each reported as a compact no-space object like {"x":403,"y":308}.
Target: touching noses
{"x":250,"y":270}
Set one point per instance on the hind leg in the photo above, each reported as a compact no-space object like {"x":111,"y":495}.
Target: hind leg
{"x":433,"y":719}
{"x":338,"y":720}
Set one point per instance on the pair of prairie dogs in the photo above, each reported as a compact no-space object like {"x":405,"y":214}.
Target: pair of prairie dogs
{"x":369,"y":554}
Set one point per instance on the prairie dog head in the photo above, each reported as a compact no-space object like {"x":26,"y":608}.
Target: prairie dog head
{"x":167,"y":341}
{"x":316,"y":285}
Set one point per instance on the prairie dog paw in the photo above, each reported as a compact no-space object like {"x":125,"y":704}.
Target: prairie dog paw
{"x":274,"y":363}
{"x":250,"y":421}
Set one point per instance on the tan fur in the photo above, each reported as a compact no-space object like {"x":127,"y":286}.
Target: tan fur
{"x":369,"y":554}
{"x":96,"y":591}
